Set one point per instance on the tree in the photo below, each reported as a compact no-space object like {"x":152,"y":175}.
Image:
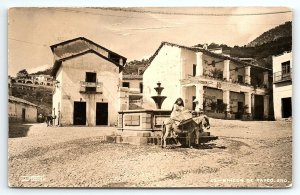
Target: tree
{"x":22,"y":74}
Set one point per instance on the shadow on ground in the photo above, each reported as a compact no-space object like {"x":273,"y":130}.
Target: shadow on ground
{"x":210,"y":146}
{"x":18,"y":130}
{"x":202,"y":146}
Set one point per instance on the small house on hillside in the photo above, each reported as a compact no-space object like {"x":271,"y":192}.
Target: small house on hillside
{"x":20,"y":110}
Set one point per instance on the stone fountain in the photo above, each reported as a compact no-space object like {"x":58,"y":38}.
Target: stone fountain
{"x":158,"y":99}
{"x":141,"y":127}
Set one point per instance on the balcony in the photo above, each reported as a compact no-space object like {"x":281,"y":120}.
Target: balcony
{"x":281,"y":77}
{"x":91,"y":87}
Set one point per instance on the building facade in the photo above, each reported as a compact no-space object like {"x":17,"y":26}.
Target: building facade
{"x":20,"y":110}
{"x":220,"y":85}
{"x":87,"y":79}
{"x":282,"y":85}
{"x":131,"y":92}
{"x":37,"y":80}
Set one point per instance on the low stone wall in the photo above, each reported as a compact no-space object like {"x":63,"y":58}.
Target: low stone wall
{"x":142,"y":120}
{"x":148,"y":139}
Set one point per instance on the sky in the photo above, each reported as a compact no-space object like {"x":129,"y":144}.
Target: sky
{"x":132,"y":32}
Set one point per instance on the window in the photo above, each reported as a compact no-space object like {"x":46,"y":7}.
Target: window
{"x":219,"y":101}
{"x":141,"y":87}
{"x":125,"y":84}
{"x":194,"y":69}
{"x":285,"y":67}
{"x":219,"y":105}
{"x":90,"y":77}
{"x":240,"y":79}
{"x":115,"y":58}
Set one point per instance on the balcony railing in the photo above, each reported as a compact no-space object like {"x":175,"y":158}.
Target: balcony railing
{"x":91,"y":87}
{"x":281,"y":77}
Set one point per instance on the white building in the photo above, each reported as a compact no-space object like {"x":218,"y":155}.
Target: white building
{"x":37,"y":80}
{"x":220,"y":83}
{"x":282,"y":85}
{"x":132,"y":92}
{"x":87,"y":78}
{"x":21,"y":110}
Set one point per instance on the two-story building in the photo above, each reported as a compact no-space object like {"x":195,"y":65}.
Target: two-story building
{"x":207,"y":80}
{"x":132,"y":91}
{"x":87,"y":79}
{"x":282,"y":85}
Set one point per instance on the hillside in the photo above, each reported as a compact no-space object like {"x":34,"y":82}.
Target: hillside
{"x":41,"y":96}
{"x":281,"y":31}
{"x":134,"y":66}
{"x":268,"y":44}
{"x":43,"y":72}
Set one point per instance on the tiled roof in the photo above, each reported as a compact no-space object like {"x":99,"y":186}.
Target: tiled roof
{"x":19,"y":100}
{"x":207,"y":52}
{"x":81,"y":48}
{"x":87,"y":40}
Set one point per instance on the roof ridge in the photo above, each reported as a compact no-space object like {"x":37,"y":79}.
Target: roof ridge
{"x":13,"y":98}
{"x":85,"y":39}
{"x":206,"y":51}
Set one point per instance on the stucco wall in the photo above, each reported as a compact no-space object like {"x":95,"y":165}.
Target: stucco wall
{"x":15,"y":112}
{"x":133,"y":84}
{"x":207,"y":64}
{"x":283,"y":89}
{"x":56,"y":98}
{"x":188,"y":58}
{"x":166,"y":68}
{"x":234,"y":99}
{"x":277,"y":60}
{"x":234,"y":74}
{"x":279,"y":92}
{"x":73,"y":71}
{"x":190,"y":92}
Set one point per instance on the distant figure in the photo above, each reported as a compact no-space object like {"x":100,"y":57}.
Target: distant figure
{"x":49,"y":120}
{"x":40,"y":118}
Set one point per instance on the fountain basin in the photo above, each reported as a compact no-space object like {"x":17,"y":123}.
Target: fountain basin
{"x":158,"y":100}
{"x":141,"y":121}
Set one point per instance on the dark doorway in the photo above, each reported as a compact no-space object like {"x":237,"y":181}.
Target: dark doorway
{"x":240,"y":79}
{"x":102,"y":114}
{"x":240,"y":110}
{"x":194,"y":69}
{"x":79,"y":117}
{"x":258,"y":107}
{"x":286,"y":107}
{"x":23,"y":114}
{"x":141,"y":87}
{"x":194,"y":103}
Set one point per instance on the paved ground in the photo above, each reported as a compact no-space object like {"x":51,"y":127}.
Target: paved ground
{"x":247,"y":154}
